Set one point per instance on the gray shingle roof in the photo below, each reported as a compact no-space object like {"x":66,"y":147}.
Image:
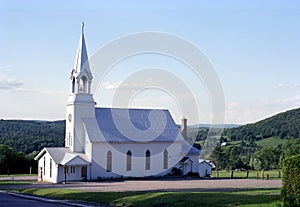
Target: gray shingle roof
{"x":132,"y":125}
{"x":63,"y":155}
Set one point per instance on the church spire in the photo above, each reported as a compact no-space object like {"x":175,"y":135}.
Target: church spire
{"x":81,"y":75}
{"x":81,"y":61}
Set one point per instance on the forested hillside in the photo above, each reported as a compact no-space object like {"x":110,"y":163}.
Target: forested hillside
{"x":29,"y":136}
{"x":261,"y":145}
{"x":283,"y":125}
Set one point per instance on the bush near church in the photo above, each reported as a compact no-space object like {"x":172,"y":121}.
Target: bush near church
{"x":290,"y":192}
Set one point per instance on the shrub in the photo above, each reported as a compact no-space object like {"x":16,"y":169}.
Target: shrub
{"x":290,"y":192}
{"x":193,"y":174}
{"x":176,"y":171}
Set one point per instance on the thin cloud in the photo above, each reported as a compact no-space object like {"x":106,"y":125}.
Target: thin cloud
{"x":5,"y":68}
{"x":10,"y":84}
{"x":123,"y":86}
{"x":233,"y":105}
{"x":287,"y":86}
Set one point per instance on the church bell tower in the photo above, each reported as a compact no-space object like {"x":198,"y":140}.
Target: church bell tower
{"x":80,"y":103}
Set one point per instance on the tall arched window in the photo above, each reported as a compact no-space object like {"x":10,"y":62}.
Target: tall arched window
{"x":44,"y":165}
{"x":147,"y":167}
{"x":70,"y":139}
{"x":83,"y":85}
{"x":165,"y":159}
{"x":128,"y":167}
{"x":50,"y":167}
{"x":109,"y":162}
{"x":73,"y":85}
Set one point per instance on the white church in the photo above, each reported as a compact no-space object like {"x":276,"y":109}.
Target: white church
{"x":113,"y":142}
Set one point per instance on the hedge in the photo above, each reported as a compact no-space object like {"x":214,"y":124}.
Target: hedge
{"x":290,"y":192}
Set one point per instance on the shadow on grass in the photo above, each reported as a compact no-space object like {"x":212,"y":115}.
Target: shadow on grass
{"x":171,"y":199}
{"x":177,"y":199}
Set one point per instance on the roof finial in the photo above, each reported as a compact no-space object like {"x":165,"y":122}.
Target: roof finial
{"x":82,"y":27}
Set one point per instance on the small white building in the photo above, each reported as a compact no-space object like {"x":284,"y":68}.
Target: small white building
{"x":205,"y":168}
{"x":113,"y":142}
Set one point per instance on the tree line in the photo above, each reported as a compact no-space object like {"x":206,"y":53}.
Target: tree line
{"x":251,"y":157}
{"x":12,"y":162}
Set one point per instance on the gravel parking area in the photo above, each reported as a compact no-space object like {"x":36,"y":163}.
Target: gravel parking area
{"x":12,"y":177}
{"x":162,"y":185}
{"x":178,"y":185}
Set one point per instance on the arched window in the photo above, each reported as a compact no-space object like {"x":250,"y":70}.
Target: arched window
{"x":73,"y":85}
{"x":109,"y":162}
{"x":165,"y":159}
{"x":70,"y":139}
{"x":83,"y":85}
{"x":44,"y":165}
{"x":50,"y":167}
{"x":128,"y":166}
{"x":147,"y":167}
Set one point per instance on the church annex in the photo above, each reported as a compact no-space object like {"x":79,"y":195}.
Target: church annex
{"x":113,"y":142}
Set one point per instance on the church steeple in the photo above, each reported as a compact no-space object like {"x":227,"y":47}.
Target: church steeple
{"x":80,"y":103}
{"x":81,"y":75}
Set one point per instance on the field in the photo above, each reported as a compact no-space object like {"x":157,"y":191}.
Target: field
{"x":272,"y":141}
{"x":273,"y":174}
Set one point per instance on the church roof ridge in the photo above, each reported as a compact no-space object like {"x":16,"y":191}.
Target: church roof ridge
{"x":123,"y":108}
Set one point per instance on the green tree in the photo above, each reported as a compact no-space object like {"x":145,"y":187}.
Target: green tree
{"x":234,"y":158}
{"x":266,"y":158}
{"x":218,"y":158}
{"x":290,"y":148}
{"x":6,"y":154}
{"x":12,"y":162}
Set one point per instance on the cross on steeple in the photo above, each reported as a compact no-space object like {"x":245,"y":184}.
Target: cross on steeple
{"x":82,"y":27}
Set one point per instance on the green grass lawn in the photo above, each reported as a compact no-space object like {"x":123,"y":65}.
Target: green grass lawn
{"x":273,"y":174}
{"x":15,"y":182}
{"x":253,"y":198}
{"x":17,"y":175}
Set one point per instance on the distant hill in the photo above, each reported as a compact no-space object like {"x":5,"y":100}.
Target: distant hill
{"x":28,"y":136}
{"x":283,"y":125}
{"x":225,"y":126}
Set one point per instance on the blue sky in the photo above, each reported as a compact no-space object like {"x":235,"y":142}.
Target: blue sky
{"x":254,"y":47}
